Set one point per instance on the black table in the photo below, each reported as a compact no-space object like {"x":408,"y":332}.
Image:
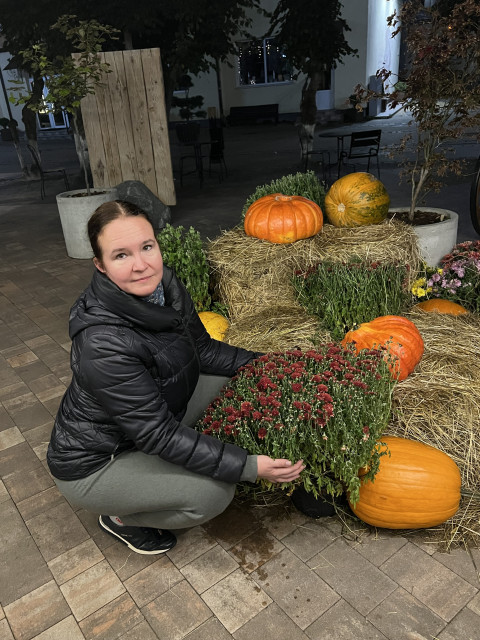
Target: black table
{"x":197,"y":154}
{"x":340,"y":145}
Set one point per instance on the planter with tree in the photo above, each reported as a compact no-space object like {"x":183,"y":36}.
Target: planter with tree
{"x":440,"y":89}
{"x":69,"y":81}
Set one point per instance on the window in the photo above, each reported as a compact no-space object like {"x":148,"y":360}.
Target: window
{"x":262,"y":62}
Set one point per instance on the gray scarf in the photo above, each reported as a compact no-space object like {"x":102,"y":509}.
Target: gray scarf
{"x":157,"y":296}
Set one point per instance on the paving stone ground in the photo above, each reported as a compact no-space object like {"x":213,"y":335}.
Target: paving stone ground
{"x":250,"y":573}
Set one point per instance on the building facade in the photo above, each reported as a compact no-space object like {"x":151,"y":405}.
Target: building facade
{"x":236,"y":85}
{"x":261,"y":74}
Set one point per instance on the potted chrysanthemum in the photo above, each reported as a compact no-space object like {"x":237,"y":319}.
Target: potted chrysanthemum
{"x":457,"y":278}
{"x":327,"y":406}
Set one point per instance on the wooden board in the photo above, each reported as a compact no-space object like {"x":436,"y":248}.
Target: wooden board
{"x":126,"y":125}
{"x":155,"y":95}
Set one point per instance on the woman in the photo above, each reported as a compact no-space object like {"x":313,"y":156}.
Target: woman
{"x":144,"y":368}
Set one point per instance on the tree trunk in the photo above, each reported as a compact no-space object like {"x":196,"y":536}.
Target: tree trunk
{"x":219,"y":91}
{"x":81,"y":146}
{"x":14,"y":130}
{"x":308,"y":112}
{"x":29,"y":117}
{"x":16,"y":142}
{"x":306,"y":134}
{"x":308,"y":104}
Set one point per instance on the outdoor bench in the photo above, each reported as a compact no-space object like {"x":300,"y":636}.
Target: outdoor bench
{"x":251,"y":113}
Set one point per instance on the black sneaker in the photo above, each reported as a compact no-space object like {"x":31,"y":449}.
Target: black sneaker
{"x":144,"y":540}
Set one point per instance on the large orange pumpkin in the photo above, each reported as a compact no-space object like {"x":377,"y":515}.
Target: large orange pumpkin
{"x":417,"y":486}
{"x":356,"y":199}
{"x":442,"y":306}
{"x":399,"y":336}
{"x":283,"y":219}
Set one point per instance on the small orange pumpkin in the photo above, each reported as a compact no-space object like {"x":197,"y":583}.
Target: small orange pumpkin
{"x":399,"y":336}
{"x":417,"y":486}
{"x":441,"y":306}
{"x":283,"y":219}
{"x":357,"y":199}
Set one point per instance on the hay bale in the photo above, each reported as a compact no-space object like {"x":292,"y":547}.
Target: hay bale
{"x":253,"y":274}
{"x":439,"y":404}
{"x":276,"y":329}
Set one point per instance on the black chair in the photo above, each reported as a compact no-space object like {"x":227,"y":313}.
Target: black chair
{"x":188,"y":134}
{"x":308,"y":156}
{"x":363,"y":144}
{"x":43,"y":173}
{"x":217,"y":146}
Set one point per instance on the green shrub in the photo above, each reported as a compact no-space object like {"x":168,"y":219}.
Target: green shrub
{"x":183,"y":251}
{"x":298,"y":184}
{"x":343,"y":295}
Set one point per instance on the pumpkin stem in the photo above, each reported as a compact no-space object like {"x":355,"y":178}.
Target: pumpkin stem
{"x":282,"y":198}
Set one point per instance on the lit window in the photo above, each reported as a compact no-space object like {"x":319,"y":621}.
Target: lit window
{"x":262,"y":62}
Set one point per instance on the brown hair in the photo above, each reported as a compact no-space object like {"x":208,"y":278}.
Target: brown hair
{"x":106,"y":213}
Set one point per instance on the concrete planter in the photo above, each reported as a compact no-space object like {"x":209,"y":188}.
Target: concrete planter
{"x":438,"y":239}
{"x":74,"y":214}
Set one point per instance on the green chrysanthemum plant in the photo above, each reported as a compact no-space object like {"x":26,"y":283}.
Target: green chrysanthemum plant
{"x":327,"y":406}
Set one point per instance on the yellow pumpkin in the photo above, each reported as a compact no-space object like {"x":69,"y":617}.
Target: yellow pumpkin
{"x":215,"y":324}
{"x":357,"y":199}
{"x":441,"y":306}
{"x":283,"y":219}
{"x":417,"y":486}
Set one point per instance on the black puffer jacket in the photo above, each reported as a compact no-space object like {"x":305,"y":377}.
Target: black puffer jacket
{"x":135,"y":365}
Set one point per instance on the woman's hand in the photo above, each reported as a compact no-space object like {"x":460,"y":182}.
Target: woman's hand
{"x":280,"y":470}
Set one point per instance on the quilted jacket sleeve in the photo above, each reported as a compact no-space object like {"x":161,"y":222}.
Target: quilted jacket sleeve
{"x":217,"y":357}
{"x":129,"y":395}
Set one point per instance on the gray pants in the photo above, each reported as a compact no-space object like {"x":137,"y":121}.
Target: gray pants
{"x":147,"y":491}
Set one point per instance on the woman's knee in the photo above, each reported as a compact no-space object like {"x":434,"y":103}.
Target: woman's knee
{"x":197,"y":510}
{"x":214,"y":502}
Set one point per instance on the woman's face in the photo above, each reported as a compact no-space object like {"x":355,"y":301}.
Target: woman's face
{"x":131,"y":256}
